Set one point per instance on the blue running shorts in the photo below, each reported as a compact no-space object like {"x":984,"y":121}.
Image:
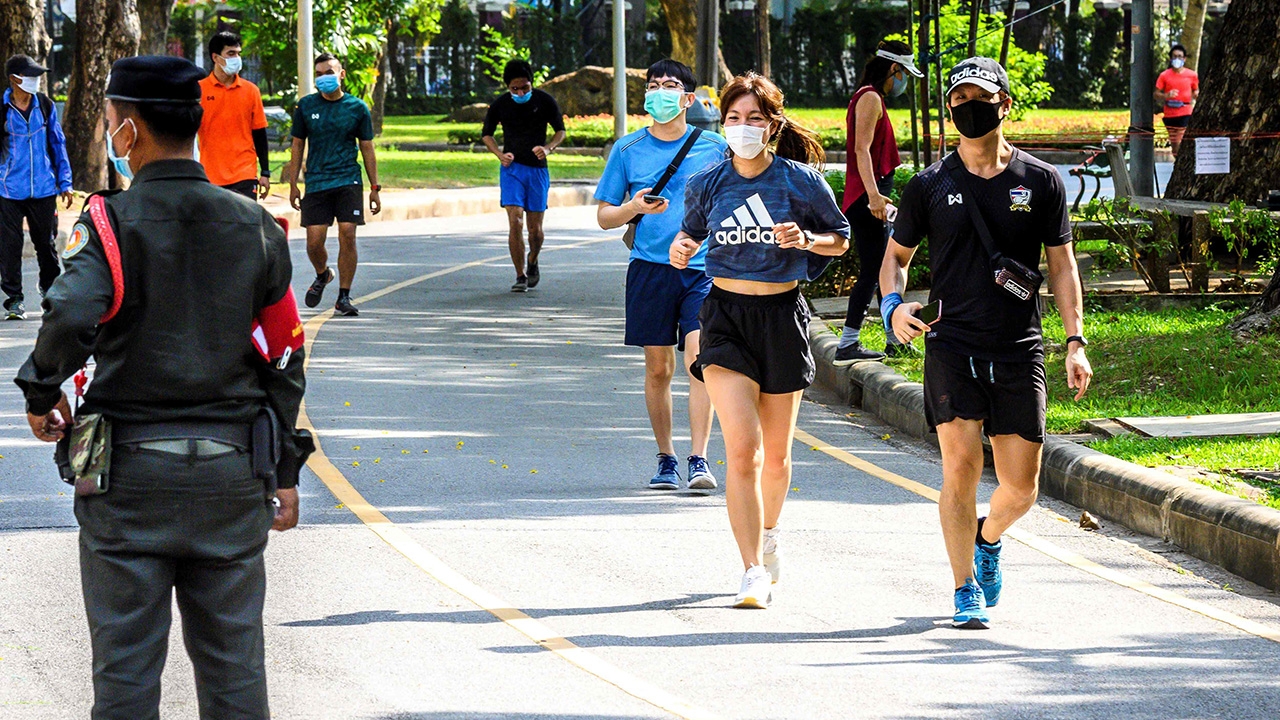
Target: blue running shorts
{"x":663,"y":303}
{"x":524,"y":186}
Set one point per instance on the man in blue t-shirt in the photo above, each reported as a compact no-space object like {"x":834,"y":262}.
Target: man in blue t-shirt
{"x":663,"y":302}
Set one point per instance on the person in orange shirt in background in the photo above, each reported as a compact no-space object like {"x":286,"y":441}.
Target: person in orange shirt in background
{"x":1177,"y":87}
{"x":233,"y":134}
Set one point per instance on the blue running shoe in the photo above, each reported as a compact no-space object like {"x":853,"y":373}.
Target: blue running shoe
{"x":986,"y":559}
{"x":970,"y":613}
{"x":668,"y":477}
{"x":700,"y":477}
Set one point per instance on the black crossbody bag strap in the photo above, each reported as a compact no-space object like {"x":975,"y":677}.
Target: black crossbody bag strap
{"x":673,"y":167}
{"x":970,"y":201}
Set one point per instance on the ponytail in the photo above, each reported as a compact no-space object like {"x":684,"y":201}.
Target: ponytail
{"x":799,"y":143}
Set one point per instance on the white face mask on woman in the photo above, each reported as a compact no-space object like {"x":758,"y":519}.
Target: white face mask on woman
{"x":746,"y":141}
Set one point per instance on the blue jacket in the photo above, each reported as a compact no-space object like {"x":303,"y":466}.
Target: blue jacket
{"x":27,"y":170}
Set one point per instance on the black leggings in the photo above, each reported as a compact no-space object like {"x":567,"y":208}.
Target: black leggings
{"x":870,"y":238}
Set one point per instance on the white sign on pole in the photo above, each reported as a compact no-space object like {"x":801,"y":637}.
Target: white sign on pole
{"x":1213,"y":155}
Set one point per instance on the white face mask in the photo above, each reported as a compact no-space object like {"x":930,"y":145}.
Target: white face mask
{"x":29,"y":85}
{"x":746,"y":141}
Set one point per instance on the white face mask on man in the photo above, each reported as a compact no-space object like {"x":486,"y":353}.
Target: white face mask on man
{"x":746,"y":141}
{"x":29,"y":85}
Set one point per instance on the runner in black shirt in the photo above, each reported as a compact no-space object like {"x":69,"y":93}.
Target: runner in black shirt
{"x":984,"y":364}
{"x":524,"y":114}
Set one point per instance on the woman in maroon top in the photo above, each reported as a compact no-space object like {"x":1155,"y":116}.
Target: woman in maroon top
{"x":872,"y":158}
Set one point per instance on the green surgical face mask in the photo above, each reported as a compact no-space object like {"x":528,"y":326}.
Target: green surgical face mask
{"x":663,"y":105}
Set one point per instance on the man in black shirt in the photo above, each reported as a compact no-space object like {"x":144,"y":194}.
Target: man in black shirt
{"x":524,"y":114}
{"x":984,"y":365}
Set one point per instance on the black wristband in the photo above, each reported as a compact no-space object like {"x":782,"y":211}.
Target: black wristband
{"x":1078,"y":338}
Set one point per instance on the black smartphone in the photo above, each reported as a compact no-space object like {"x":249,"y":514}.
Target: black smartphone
{"x":653,"y":198}
{"x":930,"y":313}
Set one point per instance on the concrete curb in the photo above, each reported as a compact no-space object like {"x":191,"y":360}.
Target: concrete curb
{"x":1237,"y":535}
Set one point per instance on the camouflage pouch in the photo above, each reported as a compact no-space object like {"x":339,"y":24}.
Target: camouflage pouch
{"x":90,"y":454}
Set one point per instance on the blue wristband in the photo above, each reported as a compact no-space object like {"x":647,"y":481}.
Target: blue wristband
{"x":888,"y":304}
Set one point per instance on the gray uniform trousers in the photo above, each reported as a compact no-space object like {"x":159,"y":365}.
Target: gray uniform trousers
{"x":194,"y":524}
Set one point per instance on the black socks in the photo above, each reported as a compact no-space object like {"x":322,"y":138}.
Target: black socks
{"x":979,"y":539}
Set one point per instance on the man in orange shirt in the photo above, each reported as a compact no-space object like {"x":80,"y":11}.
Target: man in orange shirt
{"x":1177,"y":88}
{"x":233,"y":134}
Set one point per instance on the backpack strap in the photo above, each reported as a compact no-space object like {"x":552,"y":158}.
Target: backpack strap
{"x":106,"y":233}
{"x":46,"y":110}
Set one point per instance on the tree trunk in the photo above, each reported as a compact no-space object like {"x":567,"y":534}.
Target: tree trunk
{"x":1238,"y":99}
{"x":764,"y":47}
{"x":1192,"y":28}
{"x":1029,"y":34}
{"x":107,"y":30}
{"x":396,"y":83}
{"x":974,"y":9}
{"x":153,"y":16}
{"x":1264,"y":316}
{"x":22,"y":30}
{"x":380,"y":89}
{"x":683,"y":24}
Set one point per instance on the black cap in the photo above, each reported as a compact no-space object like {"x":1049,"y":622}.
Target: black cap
{"x":155,"y":79}
{"x":983,"y":72}
{"x":23,"y":66}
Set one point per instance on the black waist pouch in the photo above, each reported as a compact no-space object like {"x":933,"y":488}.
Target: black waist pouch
{"x":1015,"y":278}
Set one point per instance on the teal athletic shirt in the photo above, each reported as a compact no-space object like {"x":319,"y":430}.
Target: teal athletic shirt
{"x":736,"y":215}
{"x":332,"y":129}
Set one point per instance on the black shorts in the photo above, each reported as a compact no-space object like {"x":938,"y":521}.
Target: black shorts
{"x":765,"y":337}
{"x":1182,"y":121}
{"x":247,"y":188}
{"x":344,"y":204}
{"x":1008,"y":397}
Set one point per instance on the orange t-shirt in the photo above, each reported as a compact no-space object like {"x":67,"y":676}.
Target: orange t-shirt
{"x":1185,"y":83}
{"x":231,"y":114}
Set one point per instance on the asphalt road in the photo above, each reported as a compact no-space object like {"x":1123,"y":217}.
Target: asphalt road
{"x":482,"y":544}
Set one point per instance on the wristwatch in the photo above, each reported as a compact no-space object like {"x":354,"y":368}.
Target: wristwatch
{"x":375,"y":188}
{"x":1078,"y":338}
{"x":809,"y":240}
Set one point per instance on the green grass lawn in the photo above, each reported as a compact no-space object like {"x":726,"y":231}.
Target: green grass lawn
{"x":406,"y":169}
{"x":1218,"y":455}
{"x":418,"y":129}
{"x":1171,"y":362}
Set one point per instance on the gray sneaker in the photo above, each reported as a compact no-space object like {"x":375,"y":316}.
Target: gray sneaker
{"x":855,"y":353}
{"x":522,"y":284}
{"x":15,"y":311}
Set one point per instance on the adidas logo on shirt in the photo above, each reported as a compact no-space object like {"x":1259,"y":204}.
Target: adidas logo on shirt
{"x":751,"y":222}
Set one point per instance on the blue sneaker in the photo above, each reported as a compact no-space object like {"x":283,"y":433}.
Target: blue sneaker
{"x":970,"y":613}
{"x":668,"y":477}
{"x":700,"y":477}
{"x":986,"y":559}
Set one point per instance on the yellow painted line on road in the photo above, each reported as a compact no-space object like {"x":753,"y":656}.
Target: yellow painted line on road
{"x":399,"y":540}
{"x":1063,"y":555}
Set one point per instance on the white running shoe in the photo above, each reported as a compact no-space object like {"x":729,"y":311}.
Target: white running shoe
{"x":756,"y":590}
{"x":772,"y":558}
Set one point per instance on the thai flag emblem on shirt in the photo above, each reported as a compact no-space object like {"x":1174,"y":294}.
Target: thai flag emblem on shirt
{"x":1021,"y":198}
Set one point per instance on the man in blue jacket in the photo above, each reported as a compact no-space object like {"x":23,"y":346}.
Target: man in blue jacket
{"x":34,"y":169}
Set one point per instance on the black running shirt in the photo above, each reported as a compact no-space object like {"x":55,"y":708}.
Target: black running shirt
{"x":1025,"y":208}
{"x":524,"y":126}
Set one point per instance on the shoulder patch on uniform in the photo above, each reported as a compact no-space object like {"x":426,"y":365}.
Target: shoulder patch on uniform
{"x":79,"y":238}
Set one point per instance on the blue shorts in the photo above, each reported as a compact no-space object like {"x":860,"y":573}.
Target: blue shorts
{"x":524,"y":186}
{"x":663,"y":303}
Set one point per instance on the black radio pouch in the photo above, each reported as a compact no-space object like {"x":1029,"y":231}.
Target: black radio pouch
{"x":1010,"y":275}
{"x":265,"y":451}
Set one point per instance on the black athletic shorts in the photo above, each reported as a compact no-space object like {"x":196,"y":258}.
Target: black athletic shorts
{"x":247,"y":188}
{"x":1009,"y":397}
{"x":1181,"y":122}
{"x":765,"y":337}
{"x":344,"y":204}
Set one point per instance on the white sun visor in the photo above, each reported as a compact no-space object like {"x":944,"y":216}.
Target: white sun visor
{"x":905,"y":61}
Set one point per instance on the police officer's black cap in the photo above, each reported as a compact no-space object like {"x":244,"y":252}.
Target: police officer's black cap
{"x":23,"y":66}
{"x":983,"y":72}
{"x":149,"y":79}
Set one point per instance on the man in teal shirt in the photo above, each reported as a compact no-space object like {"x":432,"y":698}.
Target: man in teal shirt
{"x":335,"y":124}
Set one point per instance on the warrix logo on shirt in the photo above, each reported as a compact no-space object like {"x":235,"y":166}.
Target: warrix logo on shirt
{"x":751,"y":222}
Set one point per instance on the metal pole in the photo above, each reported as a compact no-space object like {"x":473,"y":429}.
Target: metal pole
{"x":306,"y":50}
{"x":937,"y":73}
{"x":708,"y":35}
{"x":1141,"y":101}
{"x":915,"y":111}
{"x":925,"y":98}
{"x":619,"y":68}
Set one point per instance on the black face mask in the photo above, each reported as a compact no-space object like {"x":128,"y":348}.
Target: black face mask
{"x":976,"y":118}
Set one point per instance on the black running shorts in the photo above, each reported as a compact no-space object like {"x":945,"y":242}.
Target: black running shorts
{"x":344,"y":204}
{"x":1008,"y":397}
{"x":765,"y":337}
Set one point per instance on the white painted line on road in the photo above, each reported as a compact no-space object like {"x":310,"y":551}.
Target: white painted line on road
{"x":1063,"y":555}
{"x":399,"y":540}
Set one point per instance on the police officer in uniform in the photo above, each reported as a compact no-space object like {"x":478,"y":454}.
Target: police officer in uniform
{"x":181,"y":383}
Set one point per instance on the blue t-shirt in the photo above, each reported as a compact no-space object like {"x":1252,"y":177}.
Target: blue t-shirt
{"x":638,"y":161}
{"x":737,"y":215}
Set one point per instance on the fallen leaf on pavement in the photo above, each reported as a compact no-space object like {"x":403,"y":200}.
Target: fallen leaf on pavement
{"x":1089,"y":522}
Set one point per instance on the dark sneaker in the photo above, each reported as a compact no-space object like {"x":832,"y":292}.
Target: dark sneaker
{"x":316,"y":291}
{"x":344,"y":307}
{"x":855,"y":353}
{"x":534,"y":275}
{"x":14,"y":310}
{"x":668,"y":477}
{"x":971,"y":613}
{"x":700,"y":477}
{"x":522,"y":284}
{"x":897,"y":351}
{"x":986,"y":559}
